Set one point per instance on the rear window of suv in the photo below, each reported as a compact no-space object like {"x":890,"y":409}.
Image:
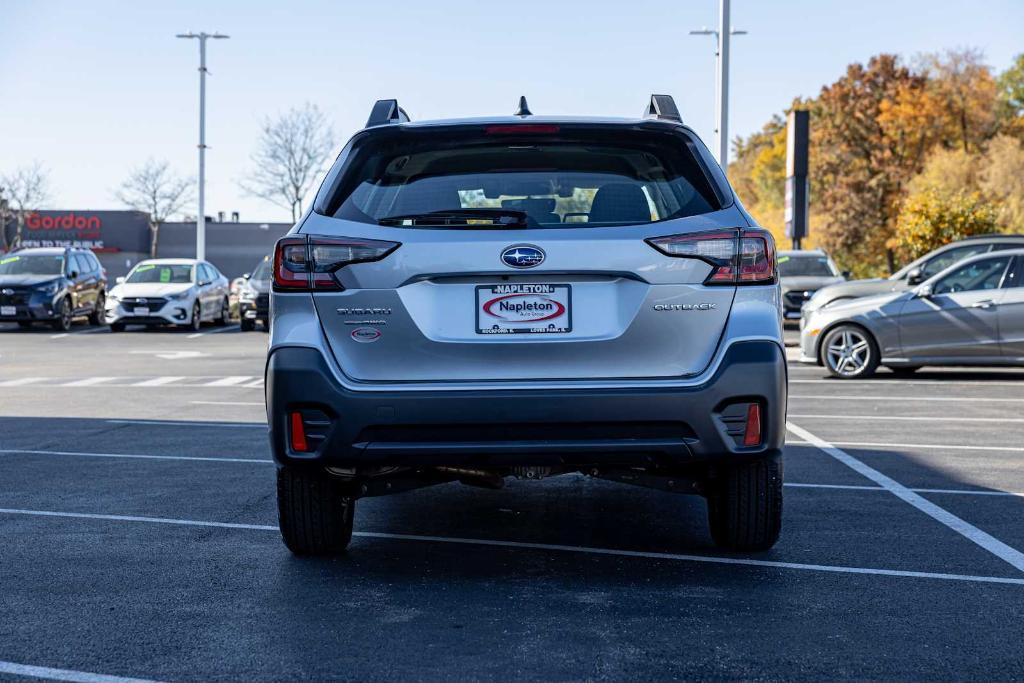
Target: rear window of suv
{"x":533,"y":175}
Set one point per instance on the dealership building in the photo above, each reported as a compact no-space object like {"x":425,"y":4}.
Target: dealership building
{"x":120,"y":239}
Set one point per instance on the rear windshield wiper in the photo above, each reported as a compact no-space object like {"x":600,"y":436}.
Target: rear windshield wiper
{"x":459,"y":218}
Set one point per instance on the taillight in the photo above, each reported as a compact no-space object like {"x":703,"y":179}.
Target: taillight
{"x":739,"y":257}
{"x":311,"y":262}
{"x":752,"y":428}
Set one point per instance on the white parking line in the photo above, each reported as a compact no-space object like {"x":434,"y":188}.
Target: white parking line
{"x":215,"y":330}
{"x":880,"y":382}
{"x":181,"y":423}
{"x":1004,"y":552}
{"x":59,"y":336}
{"x":268,"y":461}
{"x":851,"y":487}
{"x":89,"y":381}
{"x":229,"y":403}
{"x":228,"y":381}
{"x":157,"y":381}
{"x":64,"y":674}
{"x":22,"y":382}
{"x":914,"y":399}
{"x":136,"y":456}
{"x":915,"y":418}
{"x":879,"y":444}
{"x":707,"y":559}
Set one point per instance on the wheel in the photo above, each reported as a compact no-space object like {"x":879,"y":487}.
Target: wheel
{"x":24,"y":324}
{"x":849,"y":352}
{"x":745,"y":509}
{"x":117,"y":327}
{"x":314,"y":518}
{"x":904,"y":370}
{"x":248,"y":325}
{"x":225,"y":314}
{"x":96,"y":318}
{"x":63,"y":321}
{"x":196,"y":321}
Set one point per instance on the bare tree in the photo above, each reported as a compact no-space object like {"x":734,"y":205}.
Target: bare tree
{"x":290,"y":156}
{"x":24,"y":189}
{"x":157,"y":190}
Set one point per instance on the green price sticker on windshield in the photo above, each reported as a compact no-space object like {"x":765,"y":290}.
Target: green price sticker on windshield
{"x":783,"y":259}
{"x":165,"y":275}
{"x":142,"y":269}
{"x":10,"y":259}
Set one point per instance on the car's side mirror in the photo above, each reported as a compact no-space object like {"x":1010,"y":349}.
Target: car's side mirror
{"x":923,"y":292}
{"x":915,"y":276}
{"x":119,"y":280}
{"x":846,"y":274}
{"x":73,"y":274}
{"x":246,"y":275}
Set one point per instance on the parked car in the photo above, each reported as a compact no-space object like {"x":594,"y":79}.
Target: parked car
{"x":916,"y":272}
{"x":475,"y":299}
{"x":183,"y":292}
{"x":971,"y":313}
{"x":254,"y":297}
{"x":53,"y":285}
{"x":802,"y":273}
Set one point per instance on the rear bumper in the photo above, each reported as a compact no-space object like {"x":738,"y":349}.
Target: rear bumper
{"x":569,"y":427}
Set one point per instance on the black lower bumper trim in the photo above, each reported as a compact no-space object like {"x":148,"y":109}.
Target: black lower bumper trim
{"x":568,"y":427}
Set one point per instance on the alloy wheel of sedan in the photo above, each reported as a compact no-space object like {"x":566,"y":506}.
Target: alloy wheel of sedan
{"x":849,"y":352}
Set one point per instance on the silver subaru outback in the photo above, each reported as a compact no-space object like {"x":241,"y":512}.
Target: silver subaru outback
{"x":476,"y":299}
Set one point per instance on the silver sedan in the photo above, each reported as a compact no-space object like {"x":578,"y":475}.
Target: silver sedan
{"x":972,"y":313}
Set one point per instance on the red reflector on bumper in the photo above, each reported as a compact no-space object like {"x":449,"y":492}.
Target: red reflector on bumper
{"x":298,"y":432}
{"x":752,"y":433}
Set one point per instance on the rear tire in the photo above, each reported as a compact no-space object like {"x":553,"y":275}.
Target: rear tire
{"x":745,"y":511}
{"x":64,"y":316}
{"x":225,"y":314}
{"x":314,"y":518}
{"x":96,"y":317}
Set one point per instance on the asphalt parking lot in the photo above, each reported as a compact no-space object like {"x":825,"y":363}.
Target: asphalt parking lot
{"x":138,"y":524}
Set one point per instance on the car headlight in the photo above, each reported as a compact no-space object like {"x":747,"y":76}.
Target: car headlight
{"x":113,"y":298}
{"x":49,"y":288}
{"x":180,"y":295}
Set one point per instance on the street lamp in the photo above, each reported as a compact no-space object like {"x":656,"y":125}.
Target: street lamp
{"x":201,"y":219}
{"x":722,"y":36}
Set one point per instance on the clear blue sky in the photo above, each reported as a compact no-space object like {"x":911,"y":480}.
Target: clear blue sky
{"x":91,"y":88}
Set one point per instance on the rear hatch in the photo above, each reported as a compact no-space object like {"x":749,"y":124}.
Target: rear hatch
{"x":522,"y":252}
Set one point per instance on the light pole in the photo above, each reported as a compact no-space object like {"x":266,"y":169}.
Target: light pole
{"x":722,"y":36}
{"x":202,"y":36}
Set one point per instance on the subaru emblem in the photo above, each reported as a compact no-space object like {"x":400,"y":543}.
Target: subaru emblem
{"x":522,"y":256}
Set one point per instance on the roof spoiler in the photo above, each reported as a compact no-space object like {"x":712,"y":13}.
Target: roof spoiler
{"x":385,"y":112}
{"x":663,"y":107}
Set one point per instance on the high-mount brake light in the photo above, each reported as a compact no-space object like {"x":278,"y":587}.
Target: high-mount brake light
{"x":521,"y":129}
{"x":740,"y":257}
{"x":311,"y":263}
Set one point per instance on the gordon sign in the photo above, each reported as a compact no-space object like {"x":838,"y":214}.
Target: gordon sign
{"x":101,"y":231}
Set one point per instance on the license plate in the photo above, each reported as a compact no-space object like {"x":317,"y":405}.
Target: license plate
{"x":523,"y":309}
{"x":141,"y":310}
{"x":8,"y":310}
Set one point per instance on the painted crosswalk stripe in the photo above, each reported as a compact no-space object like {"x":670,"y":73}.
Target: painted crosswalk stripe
{"x":22,"y":382}
{"x":228,"y":381}
{"x":89,"y":381}
{"x":157,"y":381}
{"x":52,"y":674}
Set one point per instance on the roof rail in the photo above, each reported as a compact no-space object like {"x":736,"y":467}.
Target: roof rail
{"x":385,"y":112}
{"x":663,"y":107}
